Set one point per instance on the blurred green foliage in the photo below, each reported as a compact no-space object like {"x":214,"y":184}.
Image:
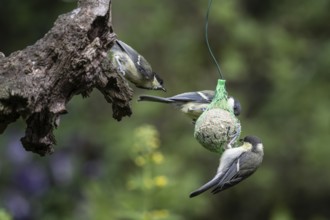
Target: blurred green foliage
{"x":4,"y":215}
{"x":148,"y":189}
{"x":275,"y":58}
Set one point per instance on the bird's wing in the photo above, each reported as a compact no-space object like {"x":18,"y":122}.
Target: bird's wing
{"x":228,"y":176}
{"x":220,"y":176}
{"x":236,"y":172}
{"x":206,"y":186}
{"x":138,"y":60}
{"x":221,"y":181}
{"x":201,"y":96}
{"x":127,"y":49}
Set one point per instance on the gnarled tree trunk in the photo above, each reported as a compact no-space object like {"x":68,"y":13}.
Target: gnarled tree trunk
{"x":36,"y":83}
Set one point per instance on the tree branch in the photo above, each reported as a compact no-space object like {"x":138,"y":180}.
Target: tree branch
{"x":36,"y":83}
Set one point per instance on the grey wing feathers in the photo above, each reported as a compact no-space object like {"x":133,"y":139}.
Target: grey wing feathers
{"x":139,"y":61}
{"x":201,"y":96}
{"x":235,"y":173}
{"x":206,"y":186}
{"x":127,"y":49}
{"x":229,"y":178}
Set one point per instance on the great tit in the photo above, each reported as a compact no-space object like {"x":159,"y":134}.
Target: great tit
{"x":193,"y":104}
{"x":236,"y":164}
{"x":134,"y":67}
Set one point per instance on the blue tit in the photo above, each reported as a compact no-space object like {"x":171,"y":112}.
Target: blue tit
{"x":236,"y":164}
{"x":134,"y":67}
{"x":192,"y":104}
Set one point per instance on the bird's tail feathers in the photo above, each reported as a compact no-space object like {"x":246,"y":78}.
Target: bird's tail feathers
{"x":206,"y":186}
{"x":151,"y":98}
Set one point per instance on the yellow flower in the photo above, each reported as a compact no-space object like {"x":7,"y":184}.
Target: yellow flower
{"x":153,"y":143}
{"x":146,"y":138}
{"x":140,"y":161}
{"x":160,"y":181}
{"x":157,"y":157}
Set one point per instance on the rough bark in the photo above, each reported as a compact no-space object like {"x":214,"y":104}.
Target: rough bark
{"x":36,"y":83}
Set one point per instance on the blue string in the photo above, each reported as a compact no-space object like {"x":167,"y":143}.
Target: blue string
{"x":207,"y":39}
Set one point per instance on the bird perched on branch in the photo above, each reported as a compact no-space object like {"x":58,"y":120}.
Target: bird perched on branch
{"x":134,"y":67}
{"x":236,"y":164}
{"x":193,"y":104}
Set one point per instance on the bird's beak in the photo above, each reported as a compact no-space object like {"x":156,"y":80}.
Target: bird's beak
{"x":163,"y":89}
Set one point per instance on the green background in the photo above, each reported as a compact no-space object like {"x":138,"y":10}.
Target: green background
{"x":275,"y":57}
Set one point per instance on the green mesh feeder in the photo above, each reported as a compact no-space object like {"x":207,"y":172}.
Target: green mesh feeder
{"x":217,"y":128}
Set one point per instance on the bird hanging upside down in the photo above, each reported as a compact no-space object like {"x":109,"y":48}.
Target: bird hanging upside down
{"x":236,"y":164}
{"x":134,"y":67}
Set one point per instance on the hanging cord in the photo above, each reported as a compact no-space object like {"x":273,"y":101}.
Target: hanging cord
{"x":207,"y":39}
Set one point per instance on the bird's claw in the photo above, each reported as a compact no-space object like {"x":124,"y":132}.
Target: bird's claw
{"x":233,"y":137}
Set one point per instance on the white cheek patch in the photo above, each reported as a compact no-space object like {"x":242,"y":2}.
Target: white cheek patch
{"x":231,"y":103}
{"x":247,"y":146}
{"x":156,"y":83}
{"x":260,"y":147}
